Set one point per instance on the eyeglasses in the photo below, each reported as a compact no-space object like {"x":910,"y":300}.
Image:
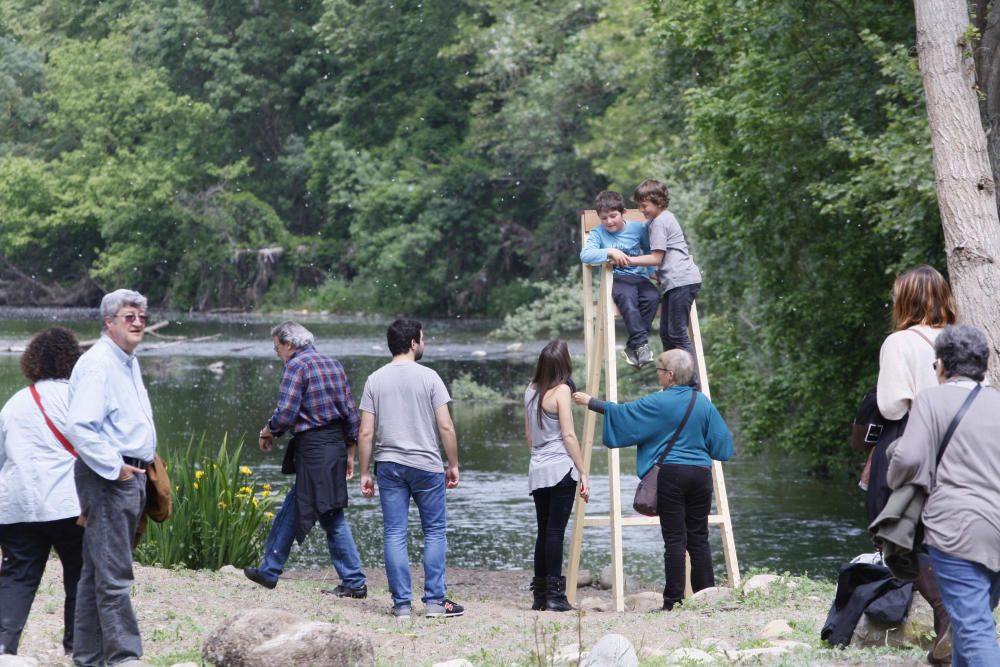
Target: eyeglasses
{"x":665,"y":370}
{"x":131,"y":317}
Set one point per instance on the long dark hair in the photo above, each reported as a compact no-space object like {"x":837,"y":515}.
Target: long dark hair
{"x":553,"y":369}
{"x":921,"y":296}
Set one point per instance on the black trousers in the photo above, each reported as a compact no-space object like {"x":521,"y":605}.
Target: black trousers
{"x":675,"y":316}
{"x":26,"y":549}
{"x":636,"y":299}
{"x":684,"y":499}
{"x":553,"y":505}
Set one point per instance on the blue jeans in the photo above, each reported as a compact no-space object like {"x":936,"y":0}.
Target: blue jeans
{"x":339,"y":540}
{"x":397,"y":483}
{"x":675,"y":316}
{"x":970,"y":593}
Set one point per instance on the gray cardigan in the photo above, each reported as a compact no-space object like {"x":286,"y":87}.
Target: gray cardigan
{"x":962,"y":513}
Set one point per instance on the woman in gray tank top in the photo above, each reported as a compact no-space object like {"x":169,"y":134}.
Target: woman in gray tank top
{"x":556,"y":467}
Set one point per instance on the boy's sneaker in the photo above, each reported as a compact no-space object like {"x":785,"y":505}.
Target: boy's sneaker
{"x":403,"y":611}
{"x":643,"y":355}
{"x":631,"y":358}
{"x":447,"y":608}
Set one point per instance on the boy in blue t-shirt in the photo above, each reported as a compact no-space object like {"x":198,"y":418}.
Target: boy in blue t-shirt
{"x":615,"y":241}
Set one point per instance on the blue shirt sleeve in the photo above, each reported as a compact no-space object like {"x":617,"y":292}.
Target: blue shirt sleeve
{"x":594,"y":250}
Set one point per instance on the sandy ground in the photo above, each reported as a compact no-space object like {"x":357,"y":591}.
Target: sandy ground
{"x":177,"y":609}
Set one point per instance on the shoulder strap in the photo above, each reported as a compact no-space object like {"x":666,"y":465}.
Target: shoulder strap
{"x":59,"y":436}
{"x":680,"y":427}
{"x":954,"y":422}
{"x":929,"y":341}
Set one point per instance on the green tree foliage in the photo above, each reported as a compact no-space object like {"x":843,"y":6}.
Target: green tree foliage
{"x":431,"y":156}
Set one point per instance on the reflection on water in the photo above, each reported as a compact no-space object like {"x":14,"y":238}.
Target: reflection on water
{"x":783,"y":519}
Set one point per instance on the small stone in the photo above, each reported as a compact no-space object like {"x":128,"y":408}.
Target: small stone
{"x":760,"y":582}
{"x":584,"y":578}
{"x":631,"y":583}
{"x":217,"y":367}
{"x":479,"y":353}
{"x":229,"y":569}
{"x":17,"y":661}
{"x":643,"y":602}
{"x":689,"y":655}
{"x":515,"y":347}
{"x":716,"y":644}
{"x":713,"y":593}
{"x":611,"y":650}
{"x":755,"y":654}
{"x":458,"y":662}
{"x":776,"y":629}
{"x":594,"y":604}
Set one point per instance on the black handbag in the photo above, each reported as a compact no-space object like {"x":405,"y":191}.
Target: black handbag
{"x":645,"y":494}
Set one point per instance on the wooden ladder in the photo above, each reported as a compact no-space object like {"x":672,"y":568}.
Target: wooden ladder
{"x":599,"y":348}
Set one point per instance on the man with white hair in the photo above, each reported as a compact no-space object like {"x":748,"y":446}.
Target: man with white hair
{"x":316,"y":405}
{"x":110,"y":423}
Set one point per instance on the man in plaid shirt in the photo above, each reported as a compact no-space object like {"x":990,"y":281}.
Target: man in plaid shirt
{"x":316,"y":405}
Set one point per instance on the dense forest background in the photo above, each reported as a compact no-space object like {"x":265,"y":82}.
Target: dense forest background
{"x":431,"y":157}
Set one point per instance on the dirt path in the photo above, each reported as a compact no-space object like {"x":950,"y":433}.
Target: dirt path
{"x":177,"y":609}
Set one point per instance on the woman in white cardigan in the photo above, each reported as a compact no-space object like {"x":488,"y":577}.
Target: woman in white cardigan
{"x":922,"y":305}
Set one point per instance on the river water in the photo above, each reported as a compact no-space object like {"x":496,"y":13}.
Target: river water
{"x":783,"y":519}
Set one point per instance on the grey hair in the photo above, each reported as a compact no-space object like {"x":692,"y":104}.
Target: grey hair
{"x":120,"y":298}
{"x":964,"y":350}
{"x":293,"y":333}
{"x":680,"y":363}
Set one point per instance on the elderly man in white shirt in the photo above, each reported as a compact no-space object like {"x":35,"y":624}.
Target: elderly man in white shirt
{"x":38,"y":503}
{"x":110,"y":422}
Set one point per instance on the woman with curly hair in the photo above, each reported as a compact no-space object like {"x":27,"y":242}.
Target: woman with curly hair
{"x":38,"y":501}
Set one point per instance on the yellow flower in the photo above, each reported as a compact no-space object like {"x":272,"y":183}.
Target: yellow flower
{"x":198,"y":474}
{"x":222,"y":505}
{"x":269,"y":515}
{"x":265,"y":493}
{"x":254,"y":501}
{"x":196,"y":485}
{"x":267,"y":487}
{"x":245,"y":490}
{"x":245,"y":471}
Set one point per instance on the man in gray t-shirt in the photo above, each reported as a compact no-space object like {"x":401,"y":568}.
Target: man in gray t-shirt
{"x":404,"y":407}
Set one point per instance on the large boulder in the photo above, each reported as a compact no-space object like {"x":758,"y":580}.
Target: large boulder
{"x":611,"y":650}
{"x":267,"y":637}
{"x":917,"y":629}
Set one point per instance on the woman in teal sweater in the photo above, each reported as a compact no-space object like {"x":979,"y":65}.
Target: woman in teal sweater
{"x":684,"y":486}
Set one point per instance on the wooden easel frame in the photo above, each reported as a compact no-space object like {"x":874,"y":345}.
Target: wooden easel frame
{"x":599,"y":346}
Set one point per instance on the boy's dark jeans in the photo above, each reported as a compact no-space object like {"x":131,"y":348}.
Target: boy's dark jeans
{"x":684,"y":499}
{"x":675,"y":315}
{"x":636,"y":298}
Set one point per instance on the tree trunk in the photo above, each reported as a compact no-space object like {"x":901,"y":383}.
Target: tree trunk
{"x":985,"y":16}
{"x":963,"y":177}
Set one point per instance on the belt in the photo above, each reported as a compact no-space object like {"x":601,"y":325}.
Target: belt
{"x":138,"y":463}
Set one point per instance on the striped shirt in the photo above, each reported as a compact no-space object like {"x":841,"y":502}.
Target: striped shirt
{"x":314,"y":392}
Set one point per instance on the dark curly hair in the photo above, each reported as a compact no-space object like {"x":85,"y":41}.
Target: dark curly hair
{"x":51,"y":355}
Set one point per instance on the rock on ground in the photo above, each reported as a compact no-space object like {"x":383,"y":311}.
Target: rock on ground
{"x":611,"y":650}
{"x":760,"y":582}
{"x":917,"y":629}
{"x":713,"y":593}
{"x":776,"y":629}
{"x":643,"y":602}
{"x":605,"y":580}
{"x":266,"y":637}
{"x":17,"y":661}
{"x":584,"y":578}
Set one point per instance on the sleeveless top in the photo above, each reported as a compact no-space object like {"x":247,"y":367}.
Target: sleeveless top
{"x":549,"y":460}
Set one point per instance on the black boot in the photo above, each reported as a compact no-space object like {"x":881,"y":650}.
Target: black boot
{"x":538,"y":590}
{"x":555,"y":596}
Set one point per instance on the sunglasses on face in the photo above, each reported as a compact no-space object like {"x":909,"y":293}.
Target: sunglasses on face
{"x":132,"y":317}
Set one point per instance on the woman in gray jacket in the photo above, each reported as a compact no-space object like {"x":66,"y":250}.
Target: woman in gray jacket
{"x":962,"y":514}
